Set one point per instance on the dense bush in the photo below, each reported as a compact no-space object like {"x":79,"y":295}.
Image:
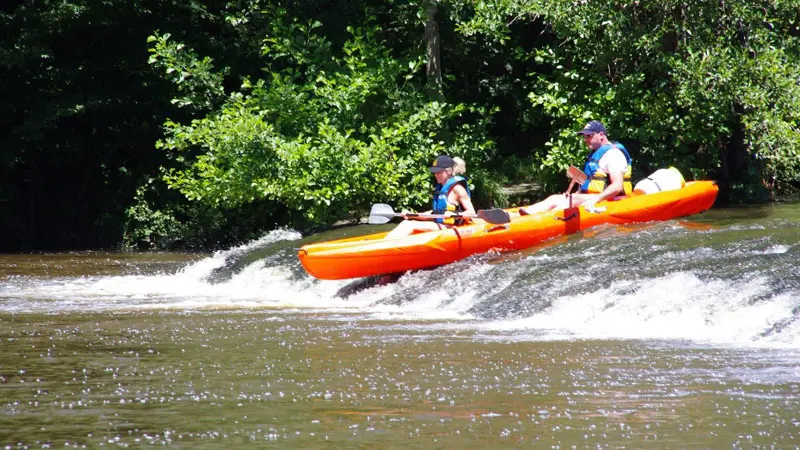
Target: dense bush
{"x":235,"y":117}
{"x":709,"y":87}
{"x":326,"y":133}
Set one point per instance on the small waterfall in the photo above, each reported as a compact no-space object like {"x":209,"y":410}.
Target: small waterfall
{"x":721,"y":279}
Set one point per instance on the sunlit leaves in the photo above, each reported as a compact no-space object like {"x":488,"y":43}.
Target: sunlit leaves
{"x":678,"y":77}
{"x":325,"y":132}
{"x":195,"y":77}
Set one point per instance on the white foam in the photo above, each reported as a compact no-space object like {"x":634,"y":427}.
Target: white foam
{"x":776,"y":250}
{"x":682,"y":305}
{"x":676,"y":306}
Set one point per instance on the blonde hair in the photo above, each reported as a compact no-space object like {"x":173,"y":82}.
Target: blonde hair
{"x":460,"y":167}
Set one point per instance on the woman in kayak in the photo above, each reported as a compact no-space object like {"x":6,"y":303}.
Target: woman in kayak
{"x":608,"y":171}
{"x":451,"y":195}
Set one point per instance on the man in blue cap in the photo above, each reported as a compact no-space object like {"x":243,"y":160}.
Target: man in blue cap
{"x":607,"y":169}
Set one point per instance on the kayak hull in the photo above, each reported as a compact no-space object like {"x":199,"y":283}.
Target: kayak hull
{"x":373,"y":255}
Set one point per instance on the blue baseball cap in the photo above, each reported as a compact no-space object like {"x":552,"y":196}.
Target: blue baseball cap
{"x":592,"y":128}
{"x":441,"y":163}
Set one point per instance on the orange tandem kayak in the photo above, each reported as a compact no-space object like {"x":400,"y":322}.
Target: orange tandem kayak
{"x":373,"y":255}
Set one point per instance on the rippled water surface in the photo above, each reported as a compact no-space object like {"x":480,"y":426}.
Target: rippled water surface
{"x":681,"y":334}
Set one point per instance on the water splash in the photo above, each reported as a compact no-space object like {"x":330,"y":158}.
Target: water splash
{"x":735,"y":283}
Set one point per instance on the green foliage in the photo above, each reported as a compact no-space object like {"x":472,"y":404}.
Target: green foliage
{"x":158,"y":219}
{"x":690,"y":81}
{"x":305,"y":121}
{"x":322,"y":134}
{"x":81,"y":110}
{"x":194,"y":77}
{"x":148,"y":227}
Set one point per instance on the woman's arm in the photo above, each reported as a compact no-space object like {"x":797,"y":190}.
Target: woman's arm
{"x":463,"y":199}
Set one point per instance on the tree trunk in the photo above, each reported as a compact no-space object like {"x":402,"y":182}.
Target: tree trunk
{"x":735,"y":161}
{"x":434,"y":66}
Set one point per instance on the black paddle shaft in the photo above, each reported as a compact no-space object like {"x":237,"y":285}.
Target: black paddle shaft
{"x":382,"y":213}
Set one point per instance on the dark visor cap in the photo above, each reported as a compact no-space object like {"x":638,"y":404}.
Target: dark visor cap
{"x":441,"y":163}
{"x":592,"y":128}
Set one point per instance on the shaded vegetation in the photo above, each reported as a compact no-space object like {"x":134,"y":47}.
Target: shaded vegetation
{"x":166,"y":123}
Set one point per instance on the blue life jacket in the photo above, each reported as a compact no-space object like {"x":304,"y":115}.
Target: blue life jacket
{"x":596,"y":182}
{"x":440,"y":203}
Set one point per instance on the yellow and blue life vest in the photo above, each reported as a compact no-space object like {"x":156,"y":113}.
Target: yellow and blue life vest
{"x":440,"y":202}
{"x":597,"y":181}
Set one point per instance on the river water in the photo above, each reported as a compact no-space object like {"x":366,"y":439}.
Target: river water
{"x":680,"y":334}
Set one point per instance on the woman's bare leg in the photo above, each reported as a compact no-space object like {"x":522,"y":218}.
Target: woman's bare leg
{"x":556,"y":201}
{"x":409,"y":227}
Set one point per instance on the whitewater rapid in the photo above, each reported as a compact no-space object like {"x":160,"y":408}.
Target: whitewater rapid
{"x":719,"y":281}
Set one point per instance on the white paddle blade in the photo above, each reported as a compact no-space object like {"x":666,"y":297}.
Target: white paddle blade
{"x":378,"y":220}
{"x":381,"y":209}
{"x":381,"y":213}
